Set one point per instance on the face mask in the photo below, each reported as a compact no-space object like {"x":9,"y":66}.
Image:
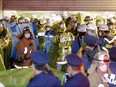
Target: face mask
{"x":20,"y":21}
{"x":75,"y":24}
{"x":27,"y":35}
{"x":47,"y":28}
{"x":100,"y":34}
{"x":110,"y":27}
{"x":61,"y":26}
{"x":103,"y":68}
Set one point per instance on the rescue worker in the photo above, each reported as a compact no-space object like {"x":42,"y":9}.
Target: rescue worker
{"x":6,"y":22}
{"x":72,"y":26}
{"x":13,"y":55}
{"x":44,"y":77}
{"x":20,"y":25}
{"x":101,"y":71}
{"x":40,"y":33}
{"x":88,"y":20}
{"x":5,"y":39}
{"x":77,"y":79}
{"x":34,"y":25}
{"x":13,"y":20}
{"x":99,"y":23}
{"x":49,"y":34}
{"x":64,"y":41}
{"x":112,"y":29}
{"x":9,"y":22}
{"x":25,"y":47}
{"x":104,"y":33}
{"x":3,"y":35}
{"x":79,"y":38}
{"x":91,"y":30}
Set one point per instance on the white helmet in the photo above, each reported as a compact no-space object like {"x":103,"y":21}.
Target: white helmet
{"x":82,"y":28}
{"x":103,"y":28}
{"x":27,"y":18}
{"x":6,"y":18}
{"x":1,"y":85}
{"x":62,"y":25}
{"x":34,"y":16}
{"x":91,"y":26}
{"x":101,"y":55}
{"x":43,"y":21}
{"x":49,"y":23}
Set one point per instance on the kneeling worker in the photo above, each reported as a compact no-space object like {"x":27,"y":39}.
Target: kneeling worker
{"x":44,"y":76}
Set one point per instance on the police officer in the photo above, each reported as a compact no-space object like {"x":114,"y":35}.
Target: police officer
{"x":112,"y":53}
{"x":49,"y":34}
{"x":113,"y":59}
{"x":91,"y":49}
{"x":77,"y":79}
{"x":104,"y":33}
{"x":43,"y":76}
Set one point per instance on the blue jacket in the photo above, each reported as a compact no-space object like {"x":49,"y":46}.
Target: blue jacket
{"x":44,"y":80}
{"x":48,"y":40}
{"x":78,"y":80}
{"x":76,"y":45}
{"x":113,"y":70}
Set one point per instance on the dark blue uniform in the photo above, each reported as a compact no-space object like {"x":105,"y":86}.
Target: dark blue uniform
{"x":76,"y":45}
{"x":88,"y":56}
{"x":112,"y":53}
{"x":44,"y":80}
{"x":113,"y":67}
{"x":113,"y":70}
{"x":78,"y":80}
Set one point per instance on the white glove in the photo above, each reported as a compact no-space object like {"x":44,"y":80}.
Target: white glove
{"x":25,"y":50}
{"x":108,"y":40}
{"x":1,"y":85}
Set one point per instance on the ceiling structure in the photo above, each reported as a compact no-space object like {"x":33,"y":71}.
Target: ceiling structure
{"x":60,"y":5}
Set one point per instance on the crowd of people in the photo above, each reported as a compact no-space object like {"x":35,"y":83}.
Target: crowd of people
{"x":86,"y":51}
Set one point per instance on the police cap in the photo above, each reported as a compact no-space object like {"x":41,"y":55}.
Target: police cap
{"x":40,"y":58}
{"x":73,"y":59}
{"x":90,"y":40}
{"x":112,"y":53}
